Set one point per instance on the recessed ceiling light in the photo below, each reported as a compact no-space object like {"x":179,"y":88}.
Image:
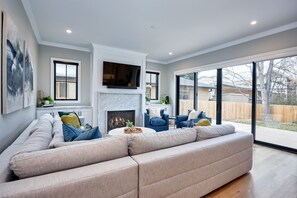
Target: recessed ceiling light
{"x":170,"y":53}
{"x":68,"y":31}
{"x":253,"y":22}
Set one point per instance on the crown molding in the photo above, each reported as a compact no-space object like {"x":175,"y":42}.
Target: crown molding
{"x":61,"y":45}
{"x":28,"y":10}
{"x":238,"y":41}
{"x":156,"y":61}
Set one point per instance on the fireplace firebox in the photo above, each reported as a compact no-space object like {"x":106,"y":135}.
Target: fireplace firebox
{"x":117,"y":119}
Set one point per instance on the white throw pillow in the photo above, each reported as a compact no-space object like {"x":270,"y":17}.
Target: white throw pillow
{"x":154,"y":112}
{"x":193,"y":114}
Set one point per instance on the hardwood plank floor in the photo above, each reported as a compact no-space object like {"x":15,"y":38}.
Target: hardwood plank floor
{"x":274,"y":175}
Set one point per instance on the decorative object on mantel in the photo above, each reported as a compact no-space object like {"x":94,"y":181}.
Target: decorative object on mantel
{"x":13,"y":66}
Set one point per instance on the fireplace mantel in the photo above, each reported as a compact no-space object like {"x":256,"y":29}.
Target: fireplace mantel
{"x":116,"y":102}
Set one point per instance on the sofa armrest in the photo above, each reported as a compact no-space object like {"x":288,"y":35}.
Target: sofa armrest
{"x":180,"y":118}
{"x":166,"y":117}
{"x":85,"y":181}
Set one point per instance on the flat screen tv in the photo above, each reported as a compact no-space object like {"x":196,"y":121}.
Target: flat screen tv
{"x":122,"y":76}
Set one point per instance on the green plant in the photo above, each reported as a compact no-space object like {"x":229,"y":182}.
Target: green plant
{"x":51,"y":101}
{"x":164,"y":100}
{"x":147,"y":99}
{"x":129,"y":124}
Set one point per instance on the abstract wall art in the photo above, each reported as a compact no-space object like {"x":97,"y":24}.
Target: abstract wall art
{"x":12,"y":66}
{"x":28,"y":79}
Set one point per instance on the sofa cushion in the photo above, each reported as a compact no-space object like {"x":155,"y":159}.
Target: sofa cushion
{"x":44,"y":117}
{"x":67,"y":157}
{"x":40,"y":138}
{"x":158,"y":122}
{"x":57,"y":131}
{"x":207,"y":132}
{"x":143,"y":143}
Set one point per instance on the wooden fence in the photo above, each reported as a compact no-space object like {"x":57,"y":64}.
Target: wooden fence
{"x":242,"y":111}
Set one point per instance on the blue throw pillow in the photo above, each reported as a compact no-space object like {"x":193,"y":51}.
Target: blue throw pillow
{"x":89,"y":134}
{"x":72,"y":133}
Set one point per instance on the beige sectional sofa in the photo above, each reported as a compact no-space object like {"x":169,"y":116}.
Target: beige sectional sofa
{"x":175,"y":163}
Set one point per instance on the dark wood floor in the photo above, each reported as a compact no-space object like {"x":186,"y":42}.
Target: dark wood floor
{"x":274,"y":175}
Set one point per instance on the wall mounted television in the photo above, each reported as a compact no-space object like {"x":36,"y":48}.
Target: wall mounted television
{"x":121,"y":76}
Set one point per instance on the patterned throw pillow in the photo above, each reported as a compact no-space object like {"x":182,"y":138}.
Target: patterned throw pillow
{"x":71,"y":119}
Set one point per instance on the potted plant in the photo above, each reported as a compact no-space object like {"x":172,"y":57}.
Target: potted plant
{"x":130,"y":126}
{"x":47,"y":100}
{"x":147,"y":100}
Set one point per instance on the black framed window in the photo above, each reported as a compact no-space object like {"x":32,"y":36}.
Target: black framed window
{"x":152,"y":85}
{"x":65,"y":81}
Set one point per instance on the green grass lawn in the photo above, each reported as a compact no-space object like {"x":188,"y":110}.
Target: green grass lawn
{"x":275,"y":125}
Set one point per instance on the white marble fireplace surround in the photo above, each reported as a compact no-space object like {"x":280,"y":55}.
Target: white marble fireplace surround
{"x":119,"y":101}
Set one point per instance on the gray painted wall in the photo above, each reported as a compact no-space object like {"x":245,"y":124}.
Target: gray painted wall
{"x":44,"y":77}
{"x":283,"y":40}
{"x":13,"y":124}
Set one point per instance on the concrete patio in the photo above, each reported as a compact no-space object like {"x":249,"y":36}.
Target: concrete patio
{"x":270,"y":135}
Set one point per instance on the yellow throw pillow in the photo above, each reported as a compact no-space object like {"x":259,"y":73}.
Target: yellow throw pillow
{"x":71,"y":119}
{"x":203,"y":122}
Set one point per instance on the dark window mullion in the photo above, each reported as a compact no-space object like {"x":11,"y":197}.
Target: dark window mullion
{"x":219,"y":97}
{"x":66,"y":87}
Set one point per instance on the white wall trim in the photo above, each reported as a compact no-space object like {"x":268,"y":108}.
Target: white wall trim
{"x":239,"y":61}
{"x":60,"y":45}
{"x":78,"y":78}
{"x":156,"y":61}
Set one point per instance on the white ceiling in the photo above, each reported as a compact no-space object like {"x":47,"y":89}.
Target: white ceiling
{"x":157,"y":27}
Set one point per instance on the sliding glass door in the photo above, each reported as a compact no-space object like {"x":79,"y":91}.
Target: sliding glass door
{"x":259,"y":97}
{"x":207,"y":93}
{"x":237,"y":96}
{"x":276,"y":111}
{"x":186,"y":92}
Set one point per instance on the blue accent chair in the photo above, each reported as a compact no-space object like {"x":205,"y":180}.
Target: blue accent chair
{"x":158,"y":124}
{"x":182,"y":120}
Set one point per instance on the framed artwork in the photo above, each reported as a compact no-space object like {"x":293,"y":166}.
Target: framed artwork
{"x":12,"y":66}
{"x":28,"y":79}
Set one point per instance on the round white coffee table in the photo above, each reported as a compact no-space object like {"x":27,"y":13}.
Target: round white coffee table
{"x":120,"y":131}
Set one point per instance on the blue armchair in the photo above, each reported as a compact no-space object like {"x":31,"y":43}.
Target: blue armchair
{"x":182,"y":120}
{"x":158,"y":124}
